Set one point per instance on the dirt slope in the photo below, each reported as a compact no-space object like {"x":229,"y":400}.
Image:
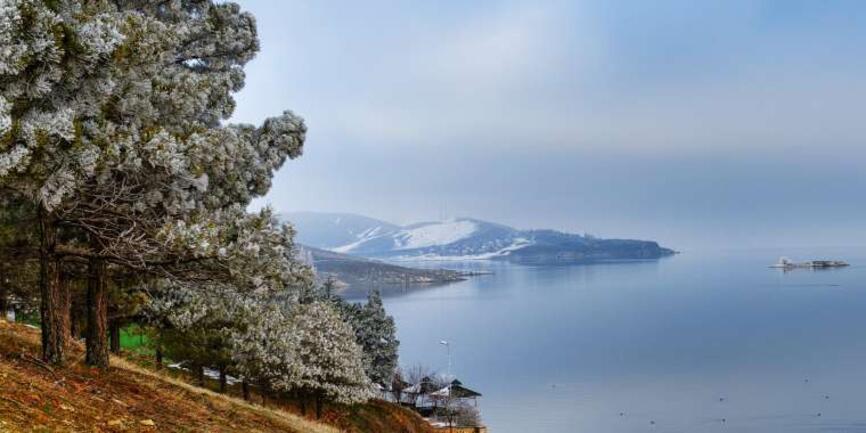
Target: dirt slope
{"x":129,"y":398}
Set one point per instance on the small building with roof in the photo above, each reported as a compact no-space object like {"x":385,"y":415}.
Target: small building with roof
{"x":456,"y":390}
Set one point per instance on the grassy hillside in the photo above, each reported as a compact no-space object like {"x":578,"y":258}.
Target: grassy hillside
{"x":131,"y":398}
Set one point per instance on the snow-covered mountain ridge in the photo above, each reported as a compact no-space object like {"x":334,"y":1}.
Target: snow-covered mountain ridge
{"x":460,"y":239}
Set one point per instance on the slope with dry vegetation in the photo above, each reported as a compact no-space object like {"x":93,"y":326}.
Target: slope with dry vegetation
{"x":35,"y":397}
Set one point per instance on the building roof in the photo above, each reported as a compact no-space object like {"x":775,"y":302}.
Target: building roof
{"x":456,"y":391}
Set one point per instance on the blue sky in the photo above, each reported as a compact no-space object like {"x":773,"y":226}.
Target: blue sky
{"x":696,"y":123}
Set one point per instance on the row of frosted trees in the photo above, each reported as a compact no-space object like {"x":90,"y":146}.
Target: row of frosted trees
{"x":123,"y":192}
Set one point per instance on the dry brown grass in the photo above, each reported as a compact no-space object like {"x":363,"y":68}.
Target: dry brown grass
{"x":124,"y":398}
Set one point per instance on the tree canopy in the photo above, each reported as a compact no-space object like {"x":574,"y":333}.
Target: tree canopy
{"x":124,"y":188}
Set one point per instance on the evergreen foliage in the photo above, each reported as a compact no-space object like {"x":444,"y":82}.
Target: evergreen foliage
{"x":123,"y":195}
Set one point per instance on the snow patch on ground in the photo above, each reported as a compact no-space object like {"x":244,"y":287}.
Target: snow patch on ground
{"x":208,"y":372}
{"x":435,"y":234}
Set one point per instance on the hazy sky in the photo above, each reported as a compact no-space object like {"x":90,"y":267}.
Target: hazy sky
{"x":689,"y":122}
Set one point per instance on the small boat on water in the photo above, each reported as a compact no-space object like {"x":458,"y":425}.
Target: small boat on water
{"x":785,"y":263}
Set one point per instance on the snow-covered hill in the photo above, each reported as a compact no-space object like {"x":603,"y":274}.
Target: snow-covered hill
{"x":431,"y":234}
{"x":336,"y":231}
{"x":460,"y":239}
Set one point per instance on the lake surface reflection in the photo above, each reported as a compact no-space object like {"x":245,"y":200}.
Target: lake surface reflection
{"x":700,"y":342}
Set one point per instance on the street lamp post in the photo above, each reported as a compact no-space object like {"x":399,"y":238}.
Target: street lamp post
{"x":448,"y":414}
{"x":448,"y":349}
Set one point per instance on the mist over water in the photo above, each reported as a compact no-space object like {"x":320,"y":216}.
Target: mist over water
{"x":699,"y":342}
{"x":700,"y":125}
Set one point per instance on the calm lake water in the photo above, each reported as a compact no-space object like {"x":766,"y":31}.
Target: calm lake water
{"x":699,"y":342}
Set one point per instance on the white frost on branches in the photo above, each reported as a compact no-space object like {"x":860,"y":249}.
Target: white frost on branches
{"x":330,"y":360}
{"x":5,"y":116}
{"x":307,"y":349}
{"x":113,"y":120}
{"x":94,"y":92}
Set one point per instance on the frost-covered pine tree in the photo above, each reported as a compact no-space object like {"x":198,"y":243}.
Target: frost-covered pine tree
{"x":111,"y":125}
{"x":375,"y":333}
{"x":377,"y":336}
{"x":329,"y":363}
{"x":197,"y":326}
{"x":252,"y":321}
{"x":263,"y":348}
{"x":52,"y":81}
{"x":224,"y":298}
{"x":303,"y":349}
{"x":249,"y":252}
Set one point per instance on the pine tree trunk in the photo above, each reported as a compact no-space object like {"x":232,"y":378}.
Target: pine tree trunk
{"x":263,"y":389}
{"x":200,"y":372}
{"x":114,"y":336}
{"x":51,"y":303}
{"x":74,"y":322}
{"x":97,"y":314}
{"x":303,"y":401}
{"x":318,"y":406}
{"x":65,"y":306}
{"x":223,"y":379}
{"x":158,"y":357}
{"x":245,"y":388}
